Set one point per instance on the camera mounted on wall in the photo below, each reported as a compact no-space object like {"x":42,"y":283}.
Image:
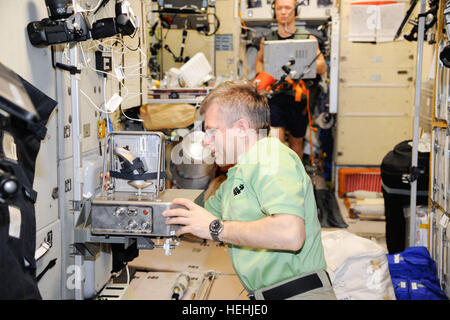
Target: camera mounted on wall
{"x":125,"y":23}
{"x":65,"y":24}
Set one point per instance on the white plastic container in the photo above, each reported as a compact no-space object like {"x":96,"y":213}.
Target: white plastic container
{"x":422,"y":226}
{"x":196,"y":71}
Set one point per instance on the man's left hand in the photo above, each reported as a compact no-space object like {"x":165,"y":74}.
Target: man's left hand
{"x":194,"y":218}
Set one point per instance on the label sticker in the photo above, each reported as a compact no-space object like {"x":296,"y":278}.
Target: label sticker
{"x":15,"y":220}
{"x":9,"y":146}
{"x":444,"y":221}
{"x":113,"y":103}
{"x":119,"y":73}
{"x":143,"y":145}
{"x":15,"y":92}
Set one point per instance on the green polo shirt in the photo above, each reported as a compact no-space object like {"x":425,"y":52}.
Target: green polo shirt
{"x":269,"y":179}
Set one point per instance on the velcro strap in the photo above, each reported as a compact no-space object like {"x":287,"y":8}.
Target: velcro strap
{"x":405,"y":192}
{"x":137,"y":165}
{"x":38,"y":130}
{"x":293,"y":288}
{"x":131,"y":176}
{"x":298,"y":93}
{"x":30,"y":194}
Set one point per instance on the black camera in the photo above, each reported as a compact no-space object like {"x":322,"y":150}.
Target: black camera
{"x":124,"y":22}
{"x":59,"y":9}
{"x":63,"y":25}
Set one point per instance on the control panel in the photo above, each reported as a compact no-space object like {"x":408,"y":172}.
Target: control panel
{"x":131,"y":219}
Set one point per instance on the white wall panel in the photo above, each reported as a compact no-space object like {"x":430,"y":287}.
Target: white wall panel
{"x":50,"y":283}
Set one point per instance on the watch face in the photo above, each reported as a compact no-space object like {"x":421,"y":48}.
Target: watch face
{"x":215,"y":226}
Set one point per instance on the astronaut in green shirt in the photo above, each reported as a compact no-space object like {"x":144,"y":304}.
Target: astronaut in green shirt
{"x":265,"y":210}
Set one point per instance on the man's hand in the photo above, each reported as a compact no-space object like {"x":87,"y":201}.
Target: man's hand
{"x":107,"y":180}
{"x":195,"y":219}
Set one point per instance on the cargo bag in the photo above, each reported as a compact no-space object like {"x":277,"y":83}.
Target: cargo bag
{"x":357,"y":266}
{"x":413,"y":274}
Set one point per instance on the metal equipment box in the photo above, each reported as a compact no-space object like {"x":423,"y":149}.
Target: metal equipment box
{"x":127,"y":214}
{"x":133,"y":201}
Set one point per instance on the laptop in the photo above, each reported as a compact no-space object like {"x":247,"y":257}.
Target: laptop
{"x":278,"y":53}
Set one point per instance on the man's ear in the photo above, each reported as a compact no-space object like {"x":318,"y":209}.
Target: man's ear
{"x":243,"y":126}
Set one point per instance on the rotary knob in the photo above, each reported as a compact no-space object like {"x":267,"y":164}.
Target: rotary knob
{"x":120,"y":211}
{"x":147,"y":226}
{"x":132,"y":225}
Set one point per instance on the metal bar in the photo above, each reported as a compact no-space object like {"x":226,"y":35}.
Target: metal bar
{"x":374,"y":114}
{"x":211,"y":278}
{"x":177,"y":101}
{"x":372,"y":85}
{"x":76,"y":149}
{"x":334,"y":64}
{"x":413,"y":199}
{"x":108,"y":145}
{"x":158,"y":174}
{"x":431,"y":219}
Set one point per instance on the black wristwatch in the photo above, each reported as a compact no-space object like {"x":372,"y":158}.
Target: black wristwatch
{"x":215,"y":228}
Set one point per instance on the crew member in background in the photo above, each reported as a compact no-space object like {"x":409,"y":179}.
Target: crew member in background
{"x":286,"y":114}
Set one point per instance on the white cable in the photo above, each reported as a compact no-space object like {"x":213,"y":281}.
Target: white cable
{"x":104,"y":90}
{"x":104,"y":94}
{"x":89,"y":99}
{"x":131,"y":95}
{"x":90,"y":10}
{"x":86,"y":62}
{"x":133,"y":73}
{"x":104,"y":103}
{"x":127,"y":93}
{"x":128,"y":275}
{"x":114,"y":40}
{"x":140,"y":120}
{"x":95,"y":106}
{"x":136,"y":94}
{"x":128,"y":76}
{"x":96,"y":70}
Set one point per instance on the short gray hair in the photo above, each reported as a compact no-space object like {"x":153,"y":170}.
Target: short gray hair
{"x":237,"y":100}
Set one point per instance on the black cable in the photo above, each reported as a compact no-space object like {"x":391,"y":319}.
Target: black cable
{"x":153,"y":28}
{"x":216,"y":28}
{"x":308,"y":66}
{"x":131,"y":49}
{"x":104,"y":2}
{"x":405,"y":19}
{"x":50,"y":265}
{"x":282,"y":79}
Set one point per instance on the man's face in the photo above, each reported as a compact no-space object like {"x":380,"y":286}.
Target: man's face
{"x":219,"y":138}
{"x":285,"y":11}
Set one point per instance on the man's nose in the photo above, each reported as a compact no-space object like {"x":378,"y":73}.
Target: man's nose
{"x":206,"y":141}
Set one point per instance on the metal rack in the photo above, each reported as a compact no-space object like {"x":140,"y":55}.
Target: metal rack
{"x":178,"y":95}
{"x":438,"y":204}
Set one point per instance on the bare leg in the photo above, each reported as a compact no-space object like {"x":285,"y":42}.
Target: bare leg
{"x":296,"y":144}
